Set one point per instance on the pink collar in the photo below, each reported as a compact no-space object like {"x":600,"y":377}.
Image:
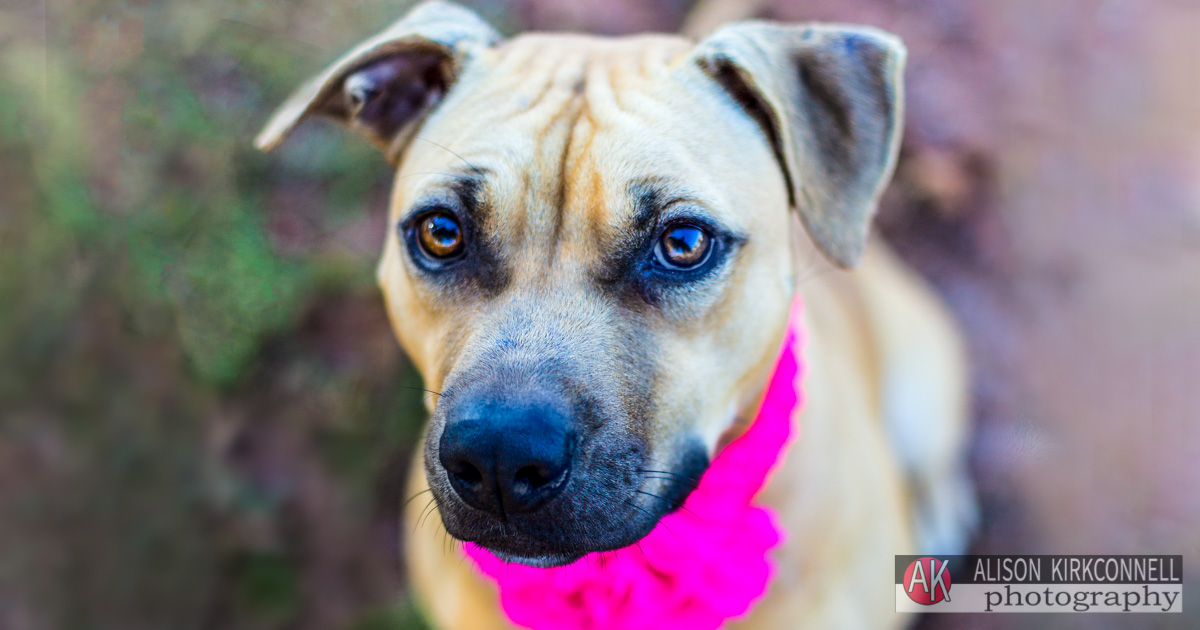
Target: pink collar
{"x":701,"y":565}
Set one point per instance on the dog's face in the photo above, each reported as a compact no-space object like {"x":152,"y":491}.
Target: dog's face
{"x":614,"y":292}
{"x":590,"y":255}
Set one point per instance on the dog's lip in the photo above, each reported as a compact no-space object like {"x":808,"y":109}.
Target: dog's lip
{"x":543,"y":561}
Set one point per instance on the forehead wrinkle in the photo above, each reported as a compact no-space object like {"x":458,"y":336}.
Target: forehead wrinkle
{"x":547,"y":176}
{"x":557,"y":171}
{"x":572,"y":168}
{"x":605,"y":115}
{"x":524,"y":76}
{"x":557,"y":78}
{"x":588,"y":204}
{"x":535,"y":127}
{"x":598,"y":90}
{"x":557,"y":198}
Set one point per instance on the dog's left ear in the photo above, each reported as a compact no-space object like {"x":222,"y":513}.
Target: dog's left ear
{"x":829,"y":99}
{"x":384,"y":86}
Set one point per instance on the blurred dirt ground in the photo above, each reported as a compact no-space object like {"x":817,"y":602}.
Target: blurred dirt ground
{"x":205,"y":422}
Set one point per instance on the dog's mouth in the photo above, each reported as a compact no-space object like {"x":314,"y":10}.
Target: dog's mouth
{"x":544,"y":561}
{"x":544,"y":551}
{"x":559,"y":537}
{"x":593,"y":515}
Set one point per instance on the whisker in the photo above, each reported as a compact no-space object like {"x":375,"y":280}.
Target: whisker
{"x":426,"y":512}
{"x":421,"y":517}
{"x":410,"y":499}
{"x":442,"y":173}
{"x":670,"y":505}
{"x":673,"y":474}
{"x":652,"y":517}
{"x":422,"y":389}
{"x":464,"y":160}
{"x":695,"y":481}
{"x":666,"y":465}
{"x":816,"y":274}
{"x":814,"y":267}
{"x":462,"y":553}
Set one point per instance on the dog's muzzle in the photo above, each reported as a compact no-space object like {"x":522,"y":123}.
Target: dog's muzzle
{"x":531,"y":465}
{"x":508,"y":455}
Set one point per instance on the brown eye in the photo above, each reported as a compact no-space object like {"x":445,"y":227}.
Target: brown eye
{"x":440,"y":235}
{"x":683,"y":247}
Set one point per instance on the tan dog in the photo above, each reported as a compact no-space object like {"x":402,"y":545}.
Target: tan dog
{"x":593,"y":261}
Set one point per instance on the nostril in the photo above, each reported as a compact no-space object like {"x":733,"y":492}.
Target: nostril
{"x":466,"y":473}
{"x":534,"y":484}
{"x":512,"y":459}
{"x":533,"y":477}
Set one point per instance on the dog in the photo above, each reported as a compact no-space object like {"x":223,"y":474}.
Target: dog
{"x":593,"y":247}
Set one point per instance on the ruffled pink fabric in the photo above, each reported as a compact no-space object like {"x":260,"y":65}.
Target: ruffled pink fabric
{"x":700,"y":566}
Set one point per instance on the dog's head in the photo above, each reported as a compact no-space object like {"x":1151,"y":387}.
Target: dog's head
{"x":590,"y":254}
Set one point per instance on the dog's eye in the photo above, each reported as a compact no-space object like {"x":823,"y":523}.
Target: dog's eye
{"x":440,"y":235}
{"x":683,"y":246}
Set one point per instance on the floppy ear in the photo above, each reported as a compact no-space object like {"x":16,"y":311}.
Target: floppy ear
{"x":829,"y":99}
{"x":385,"y":85}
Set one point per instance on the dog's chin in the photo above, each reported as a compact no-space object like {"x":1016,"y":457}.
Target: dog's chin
{"x":544,"y":561}
{"x":597,"y":519}
{"x":544,"y":553}
{"x":545,"y":549}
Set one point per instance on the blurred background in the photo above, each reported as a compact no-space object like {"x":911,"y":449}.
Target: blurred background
{"x":205,"y":421}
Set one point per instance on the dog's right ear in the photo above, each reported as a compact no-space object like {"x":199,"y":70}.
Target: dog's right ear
{"x":384,"y":86}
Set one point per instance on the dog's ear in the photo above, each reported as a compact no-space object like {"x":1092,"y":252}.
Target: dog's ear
{"x":385,"y":85}
{"x":829,"y":99}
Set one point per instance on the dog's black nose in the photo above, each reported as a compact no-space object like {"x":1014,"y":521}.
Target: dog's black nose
{"x":508,"y":458}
